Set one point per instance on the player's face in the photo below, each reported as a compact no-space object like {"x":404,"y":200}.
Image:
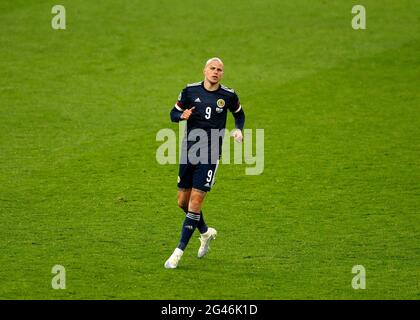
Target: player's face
{"x":213,"y":72}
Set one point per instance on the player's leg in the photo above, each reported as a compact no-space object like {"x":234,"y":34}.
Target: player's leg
{"x":192,"y":218}
{"x":196,"y":200}
{"x":203,"y":180}
{"x":188,"y":227}
{"x":184,"y":189}
{"x":183,"y":201}
{"x":200,"y":178}
{"x":184,"y":198}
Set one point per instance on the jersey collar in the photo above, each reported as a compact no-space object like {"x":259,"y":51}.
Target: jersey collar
{"x":214,"y":91}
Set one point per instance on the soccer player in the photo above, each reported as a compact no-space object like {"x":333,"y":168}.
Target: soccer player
{"x":204,"y":106}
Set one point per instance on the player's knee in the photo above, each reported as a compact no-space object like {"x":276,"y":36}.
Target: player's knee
{"x":195,"y":205}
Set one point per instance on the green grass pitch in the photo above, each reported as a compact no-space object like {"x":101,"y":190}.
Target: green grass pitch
{"x":80,"y":185}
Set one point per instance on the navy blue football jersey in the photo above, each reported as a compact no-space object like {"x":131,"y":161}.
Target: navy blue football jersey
{"x":209,"y":114}
{"x":210,"y":106}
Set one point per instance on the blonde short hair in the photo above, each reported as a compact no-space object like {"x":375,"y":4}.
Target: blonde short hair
{"x":213,"y":59}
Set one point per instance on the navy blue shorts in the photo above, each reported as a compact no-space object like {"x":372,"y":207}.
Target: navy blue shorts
{"x":198,"y":176}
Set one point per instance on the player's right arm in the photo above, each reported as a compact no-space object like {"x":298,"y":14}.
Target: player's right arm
{"x":180,"y":111}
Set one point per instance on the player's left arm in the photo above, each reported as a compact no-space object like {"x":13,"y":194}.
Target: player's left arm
{"x":239,"y":115}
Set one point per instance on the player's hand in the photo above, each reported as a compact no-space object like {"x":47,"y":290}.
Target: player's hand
{"x":237,"y":135}
{"x":187,"y":113}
